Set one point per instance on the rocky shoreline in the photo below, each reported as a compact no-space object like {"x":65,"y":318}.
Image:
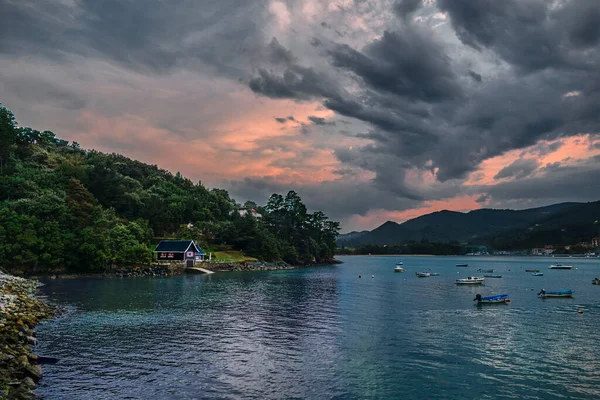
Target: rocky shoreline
{"x":20,"y":312}
{"x":178,"y":268}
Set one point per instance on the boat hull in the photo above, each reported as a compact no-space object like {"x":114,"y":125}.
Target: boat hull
{"x":469,"y":282}
{"x":398,"y":270}
{"x":493,"y":276}
{"x":501,"y":301}
{"x":423,"y":274}
{"x":560,"y":267}
{"x":532,"y":270}
{"x":559,"y":294}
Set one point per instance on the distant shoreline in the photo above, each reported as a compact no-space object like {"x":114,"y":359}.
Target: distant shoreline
{"x":465,"y":256}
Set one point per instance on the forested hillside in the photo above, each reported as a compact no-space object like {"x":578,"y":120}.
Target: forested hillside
{"x":569,"y":226}
{"x":446,"y":226}
{"x":66,"y":208}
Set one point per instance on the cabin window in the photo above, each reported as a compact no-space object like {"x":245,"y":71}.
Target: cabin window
{"x":171,"y":255}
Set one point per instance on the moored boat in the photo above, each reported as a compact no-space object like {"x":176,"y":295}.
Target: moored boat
{"x":423,"y":274}
{"x":398,"y":269}
{"x":434,"y":274}
{"x":462,"y":265}
{"x":559,"y":293}
{"x":493,"y":276}
{"x":560,"y":266}
{"x":497,"y":299}
{"x":596,"y":281}
{"x":470,"y":280}
{"x":399,"y":264}
{"x":532,"y":270}
{"x":537,"y":274}
{"x":485,"y":270}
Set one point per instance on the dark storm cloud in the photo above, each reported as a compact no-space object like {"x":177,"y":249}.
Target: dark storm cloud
{"x":320,"y":121}
{"x":430,"y":111}
{"x":476,"y":77}
{"x":281,"y":120}
{"x":531,"y":34}
{"x":405,"y":63}
{"x":404,"y":8}
{"x":279,"y":54}
{"x":296,"y":82}
{"x":518,"y":169}
{"x":543,"y":149}
{"x":150,"y":35}
{"x":562,"y":183}
{"x":483,"y":198}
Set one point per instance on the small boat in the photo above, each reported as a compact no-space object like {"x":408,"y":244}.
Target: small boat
{"x":399,"y":263}
{"x":423,"y":274}
{"x":560,"y":266}
{"x":537,"y":274}
{"x":596,"y":281}
{"x":497,"y":299}
{"x":470,"y":280}
{"x":532,"y":270}
{"x":462,"y":265}
{"x":485,"y":270}
{"x":560,"y":293}
{"x":493,"y":276}
{"x":434,"y":274}
{"x":398,"y":269}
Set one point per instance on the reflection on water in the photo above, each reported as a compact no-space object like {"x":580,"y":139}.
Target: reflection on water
{"x":324,"y":333}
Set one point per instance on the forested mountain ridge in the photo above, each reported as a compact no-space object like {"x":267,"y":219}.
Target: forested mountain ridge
{"x":565,"y":227}
{"x":445,"y":226}
{"x":66,"y":208}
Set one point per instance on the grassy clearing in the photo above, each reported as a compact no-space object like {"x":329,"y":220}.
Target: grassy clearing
{"x":231,"y":256}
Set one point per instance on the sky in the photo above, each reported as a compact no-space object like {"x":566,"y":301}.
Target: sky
{"x":372,"y":110}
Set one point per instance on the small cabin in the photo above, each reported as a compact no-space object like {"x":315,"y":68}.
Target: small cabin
{"x":179,"y":250}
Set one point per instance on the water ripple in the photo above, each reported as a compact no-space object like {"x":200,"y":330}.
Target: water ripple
{"x":324,"y":333}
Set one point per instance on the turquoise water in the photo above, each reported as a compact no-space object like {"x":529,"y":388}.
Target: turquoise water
{"x":324,"y":333}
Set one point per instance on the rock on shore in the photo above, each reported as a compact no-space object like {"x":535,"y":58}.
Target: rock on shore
{"x":20,"y":312}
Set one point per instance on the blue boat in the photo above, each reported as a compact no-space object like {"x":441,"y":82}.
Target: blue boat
{"x":559,"y":293}
{"x":497,"y":299}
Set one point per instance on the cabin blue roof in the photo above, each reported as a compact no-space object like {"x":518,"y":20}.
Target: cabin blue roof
{"x":177,"y":246}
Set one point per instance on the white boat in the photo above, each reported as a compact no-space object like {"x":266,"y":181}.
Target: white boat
{"x":399,"y":263}
{"x":423,"y":274}
{"x":398,"y":269}
{"x":537,"y":274}
{"x":560,"y":266}
{"x":470,"y":280}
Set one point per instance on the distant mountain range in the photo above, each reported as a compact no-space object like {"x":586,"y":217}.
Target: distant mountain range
{"x":486,"y":226}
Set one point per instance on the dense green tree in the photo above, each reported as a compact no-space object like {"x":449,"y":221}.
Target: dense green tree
{"x":62,"y":207}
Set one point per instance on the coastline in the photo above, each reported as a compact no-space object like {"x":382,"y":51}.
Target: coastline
{"x":173,"y":269}
{"x":20,"y":312}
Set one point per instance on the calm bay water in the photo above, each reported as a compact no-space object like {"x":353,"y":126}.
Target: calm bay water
{"x":323,"y":333}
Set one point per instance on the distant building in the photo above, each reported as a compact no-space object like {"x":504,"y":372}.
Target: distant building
{"x":179,"y":250}
{"x":254,"y":213}
{"x":539,"y":251}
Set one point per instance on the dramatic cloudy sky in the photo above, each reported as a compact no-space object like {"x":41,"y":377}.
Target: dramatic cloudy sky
{"x":370,"y":109}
